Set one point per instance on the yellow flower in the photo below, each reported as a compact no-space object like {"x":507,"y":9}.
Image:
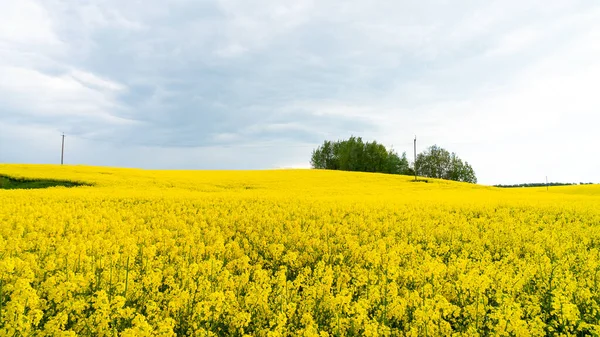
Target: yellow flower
{"x":294,"y":252}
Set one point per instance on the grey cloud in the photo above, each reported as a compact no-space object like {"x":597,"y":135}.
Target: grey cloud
{"x":234,"y":77}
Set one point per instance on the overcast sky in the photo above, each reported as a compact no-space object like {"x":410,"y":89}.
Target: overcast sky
{"x":511,"y":86}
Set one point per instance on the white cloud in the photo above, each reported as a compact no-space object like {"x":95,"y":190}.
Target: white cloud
{"x":515,"y":41}
{"x":31,"y":92}
{"x":25,"y":22}
{"x":37,"y":77}
{"x":89,"y":79}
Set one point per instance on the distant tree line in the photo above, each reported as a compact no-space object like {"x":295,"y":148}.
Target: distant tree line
{"x":354,"y":154}
{"x":540,"y":185}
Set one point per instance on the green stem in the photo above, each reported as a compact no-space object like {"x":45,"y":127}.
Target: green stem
{"x":110,"y":283}
{"x":67,"y":267}
{"x":477,"y":313}
{"x":126,"y":278}
{"x":1,"y":298}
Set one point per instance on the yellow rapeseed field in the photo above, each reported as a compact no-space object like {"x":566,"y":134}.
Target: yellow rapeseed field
{"x":294,"y":253}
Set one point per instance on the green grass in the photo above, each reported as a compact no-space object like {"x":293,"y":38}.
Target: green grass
{"x":9,"y":183}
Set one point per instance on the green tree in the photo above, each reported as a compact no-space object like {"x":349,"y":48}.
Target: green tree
{"x":397,"y":164}
{"x":354,"y":154}
{"x":323,"y":156}
{"x":436,"y":162}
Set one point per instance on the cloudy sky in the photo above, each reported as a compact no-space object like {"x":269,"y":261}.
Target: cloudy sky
{"x":512,"y":86}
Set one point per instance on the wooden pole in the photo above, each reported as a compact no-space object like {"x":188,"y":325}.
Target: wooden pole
{"x":415,"y":158}
{"x":62,"y":150}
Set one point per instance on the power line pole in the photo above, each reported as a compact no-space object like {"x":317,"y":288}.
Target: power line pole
{"x":415,"y":158}
{"x":546,"y":183}
{"x":62,"y":150}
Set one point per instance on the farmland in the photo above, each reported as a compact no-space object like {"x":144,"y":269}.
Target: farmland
{"x":294,"y":253}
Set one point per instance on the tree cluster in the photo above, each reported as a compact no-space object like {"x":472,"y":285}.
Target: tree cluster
{"x":355,"y":155}
{"x":436,"y":162}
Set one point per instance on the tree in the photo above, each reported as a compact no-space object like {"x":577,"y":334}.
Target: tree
{"x":397,"y":164}
{"x":436,"y":162}
{"x":355,"y":155}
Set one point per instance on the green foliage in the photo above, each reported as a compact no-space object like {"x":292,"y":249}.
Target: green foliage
{"x":9,"y":183}
{"x":436,"y":162}
{"x":355,"y":155}
{"x":538,"y":185}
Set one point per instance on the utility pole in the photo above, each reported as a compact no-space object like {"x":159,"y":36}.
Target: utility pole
{"x":62,"y":150}
{"x":415,"y":158}
{"x":546,"y":183}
